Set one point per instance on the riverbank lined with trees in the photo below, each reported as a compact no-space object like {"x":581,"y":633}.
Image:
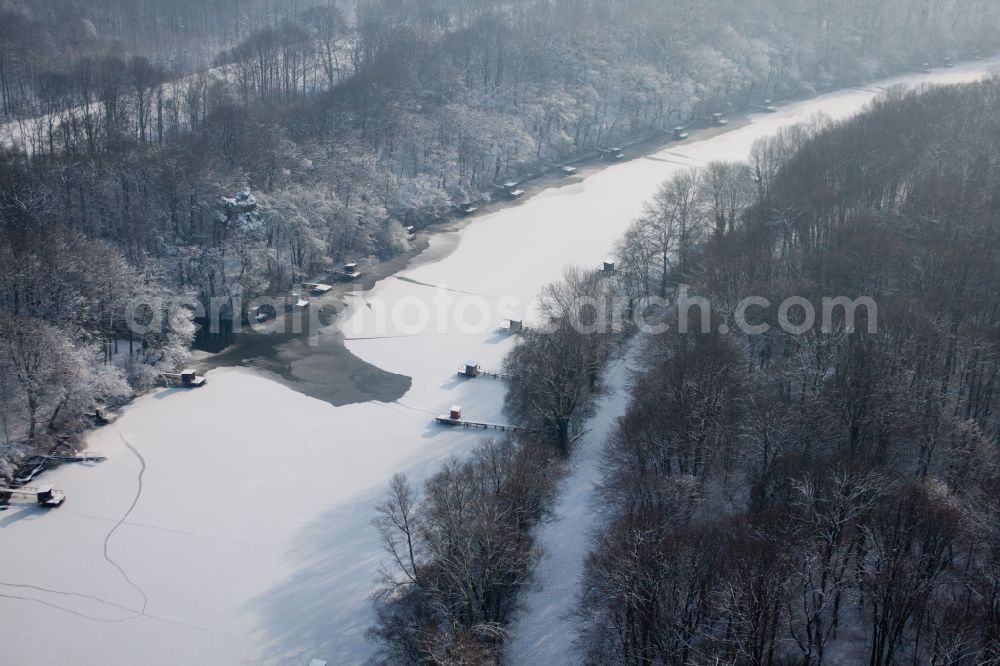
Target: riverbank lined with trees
{"x":463,"y":548}
{"x":769,"y":498}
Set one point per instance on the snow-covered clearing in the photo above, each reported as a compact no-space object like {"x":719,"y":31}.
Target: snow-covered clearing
{"x":246,"y":535}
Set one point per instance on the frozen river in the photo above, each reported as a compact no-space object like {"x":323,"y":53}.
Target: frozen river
{"x":246,"y":535}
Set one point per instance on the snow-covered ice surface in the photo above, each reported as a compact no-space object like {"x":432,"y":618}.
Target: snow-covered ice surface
{"x":247,"y":506}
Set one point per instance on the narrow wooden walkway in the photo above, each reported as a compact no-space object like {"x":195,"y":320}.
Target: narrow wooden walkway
{"x":444,"y":419}
{"x":494,"y":375}
{"x":79,"y":458}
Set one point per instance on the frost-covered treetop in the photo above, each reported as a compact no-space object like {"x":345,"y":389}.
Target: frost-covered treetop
{"x":241,"y":212}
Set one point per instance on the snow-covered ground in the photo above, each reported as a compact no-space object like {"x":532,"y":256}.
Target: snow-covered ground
{"x":543,"y":631}
{"x":231,"y":523}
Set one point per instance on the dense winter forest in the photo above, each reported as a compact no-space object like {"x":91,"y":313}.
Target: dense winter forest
{"x":767,"y":498}
{"x":290,"y":135}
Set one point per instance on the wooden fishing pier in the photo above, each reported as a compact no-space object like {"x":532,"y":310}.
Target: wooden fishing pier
{"x":614,"y":154}
{"x":187,"y":378}
{"x":317,"y":288}
{"x":43,"y":495}
{"x":454,"y":418}
{"x":349,"y":273}
{"x":35,"y":465}
{"x":511,"y":189}
{"x":511,"y":326}
{"x":83,"y":457}
{"x":467,"y":207}
{"x":503,"y":427}
{"x":471,"y":369}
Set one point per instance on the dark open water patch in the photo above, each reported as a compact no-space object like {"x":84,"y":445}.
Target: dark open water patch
{"x":320,"y":367}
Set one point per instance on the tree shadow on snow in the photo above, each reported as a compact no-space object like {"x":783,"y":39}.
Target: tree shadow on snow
{"x":455,"y":381}
{"x":14,"y":513}
{"x":324,"y":607}
{"x":166,"y":393}
{"x":314,"y":613}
